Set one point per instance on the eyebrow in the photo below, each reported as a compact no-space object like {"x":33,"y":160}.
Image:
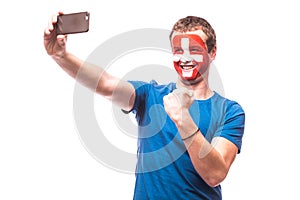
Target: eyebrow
{"x":199,"y":47}
{"x":196,"y":47}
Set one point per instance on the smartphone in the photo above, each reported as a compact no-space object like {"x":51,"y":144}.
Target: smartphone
{"x":73,"y":23}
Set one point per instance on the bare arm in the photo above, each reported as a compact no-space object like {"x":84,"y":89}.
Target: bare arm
{"x":211,"y":160}
{"x":93,"y":77}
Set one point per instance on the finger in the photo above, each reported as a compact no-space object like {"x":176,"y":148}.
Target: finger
{"x":166,"y":102}
{"x":50,"y":26}
{"x":60,"y":12}
{"x":61,"y":39}
{"x":190,"y":93}
{"x":54,"y":18}
{"x":51,"y":23}
{"x":48,"y":30}
{"x":178,"y":91}
{"x":166,"y":98}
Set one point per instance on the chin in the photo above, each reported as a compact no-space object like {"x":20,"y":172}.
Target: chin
{"x":191,"y":81}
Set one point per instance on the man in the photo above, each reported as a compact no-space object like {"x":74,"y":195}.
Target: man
{"x":189,"y":135}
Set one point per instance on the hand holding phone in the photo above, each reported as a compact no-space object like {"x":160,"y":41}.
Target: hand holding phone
{"x":73,"y":23}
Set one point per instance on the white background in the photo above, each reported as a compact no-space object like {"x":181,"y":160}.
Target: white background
{"x":41,"y":155}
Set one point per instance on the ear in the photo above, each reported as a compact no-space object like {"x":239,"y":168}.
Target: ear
{"x":213,"y":53}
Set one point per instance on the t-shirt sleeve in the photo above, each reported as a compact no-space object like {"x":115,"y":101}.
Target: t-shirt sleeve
{"x":141,"y":92}
{"x":233,"y":124}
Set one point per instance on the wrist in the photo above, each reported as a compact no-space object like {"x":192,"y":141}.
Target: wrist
{"x":191,"y":135}
{"x":184,"y":120}
{"x":59,"y":56}
{"x":186,"y":126}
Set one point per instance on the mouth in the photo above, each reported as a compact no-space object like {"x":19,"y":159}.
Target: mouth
{"x":187,"y":67}
{"x":187,"y":70}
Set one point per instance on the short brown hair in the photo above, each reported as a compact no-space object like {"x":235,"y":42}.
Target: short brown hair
{"x":193,"y":23}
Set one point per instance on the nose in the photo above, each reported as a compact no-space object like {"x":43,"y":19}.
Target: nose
{"x":181,"y":58}
{"x":185,"y":59}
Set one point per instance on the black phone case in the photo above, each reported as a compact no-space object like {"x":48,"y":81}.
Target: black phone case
{"x":73,"y":23}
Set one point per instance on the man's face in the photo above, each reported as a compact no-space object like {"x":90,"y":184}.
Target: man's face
{"x":190,"y":56}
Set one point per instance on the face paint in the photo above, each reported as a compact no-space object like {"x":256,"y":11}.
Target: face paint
{"x":185,"y":43}
{"x":189,"y":55}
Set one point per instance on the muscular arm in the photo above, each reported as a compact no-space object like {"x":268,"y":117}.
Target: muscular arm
{"x":93,"y":77}
{"x":211,"y":160}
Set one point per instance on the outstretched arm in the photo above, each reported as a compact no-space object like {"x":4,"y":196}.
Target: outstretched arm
{"x":93,"y":77}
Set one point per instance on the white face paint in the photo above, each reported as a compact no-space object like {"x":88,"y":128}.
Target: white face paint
{"x":187,"y":56}
{"x":187,"y":73}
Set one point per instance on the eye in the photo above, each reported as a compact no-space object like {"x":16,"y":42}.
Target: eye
{"x":196,"y":50}
{"x":177,"y":50}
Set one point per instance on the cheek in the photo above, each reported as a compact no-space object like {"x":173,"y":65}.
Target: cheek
{"x":177,"y":66}
{"x":202,"y":59}
{"x":198,"y":58}
{"x":203,"y":66}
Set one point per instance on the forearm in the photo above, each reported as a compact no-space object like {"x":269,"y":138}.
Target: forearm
{"x":86,"y":74}
{"x":98,"y":80}
{"x":207,"y":161}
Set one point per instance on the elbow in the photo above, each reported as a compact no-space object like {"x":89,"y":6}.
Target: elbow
{"x":215,"y":180}
{"x":212,"y":182}
{"x":105,"y":88}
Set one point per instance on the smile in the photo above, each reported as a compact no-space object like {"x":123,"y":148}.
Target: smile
{"x":187,"y":67}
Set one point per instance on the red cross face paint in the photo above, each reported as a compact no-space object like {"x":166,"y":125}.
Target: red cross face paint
{"x":190,"y":56}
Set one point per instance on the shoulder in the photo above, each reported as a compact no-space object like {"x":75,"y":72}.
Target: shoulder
{"x":232,"y":121}
{"x":229,"y":104}
{"x":153,"y":86}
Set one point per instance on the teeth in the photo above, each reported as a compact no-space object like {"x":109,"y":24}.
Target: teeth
{"x":187,"y":67}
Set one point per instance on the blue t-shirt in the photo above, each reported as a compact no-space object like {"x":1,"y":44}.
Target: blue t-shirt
{"x":164,"y":169}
